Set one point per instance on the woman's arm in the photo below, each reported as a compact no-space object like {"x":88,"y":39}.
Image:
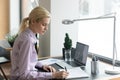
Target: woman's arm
{"x":25,"y":64}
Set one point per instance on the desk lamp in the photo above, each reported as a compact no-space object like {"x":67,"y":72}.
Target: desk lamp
{"x":113,"y":70}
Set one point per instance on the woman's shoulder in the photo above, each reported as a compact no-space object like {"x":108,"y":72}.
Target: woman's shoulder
{"x":24,"y":35}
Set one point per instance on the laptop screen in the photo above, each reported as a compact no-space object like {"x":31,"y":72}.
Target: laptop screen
{"x":81,"y":53}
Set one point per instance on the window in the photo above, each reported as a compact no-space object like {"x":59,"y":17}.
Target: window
{"x":101,"y":29}
{"x":98,"y":34}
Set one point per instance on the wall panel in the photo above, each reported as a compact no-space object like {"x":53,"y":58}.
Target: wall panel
{"x":4,"y":18}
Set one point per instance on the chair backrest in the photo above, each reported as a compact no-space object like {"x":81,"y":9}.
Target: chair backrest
{"x":4,"y":53}
{"x":4,"y":44}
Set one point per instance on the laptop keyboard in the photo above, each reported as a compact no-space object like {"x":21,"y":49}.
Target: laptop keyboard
{"x":63,"y":64}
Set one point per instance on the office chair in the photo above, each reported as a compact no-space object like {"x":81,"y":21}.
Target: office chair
{"x":4,"y":58}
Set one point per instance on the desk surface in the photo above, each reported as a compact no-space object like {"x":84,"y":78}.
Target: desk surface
{"x":118,"y":78}
{"x":100,"y":76}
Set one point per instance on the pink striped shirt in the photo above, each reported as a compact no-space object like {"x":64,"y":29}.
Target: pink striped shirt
{"x":24,"y":59}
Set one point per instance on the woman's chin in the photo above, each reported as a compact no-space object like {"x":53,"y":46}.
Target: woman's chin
{"x":42,"y":33}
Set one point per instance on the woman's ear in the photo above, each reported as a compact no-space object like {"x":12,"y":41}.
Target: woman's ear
{"x":33,"y":21}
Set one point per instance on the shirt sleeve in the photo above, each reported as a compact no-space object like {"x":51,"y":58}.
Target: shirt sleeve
{"x":39,"y":64}
{"x":24,"y":64}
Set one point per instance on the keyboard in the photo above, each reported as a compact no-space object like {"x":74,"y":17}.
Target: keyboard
{"x":63,"y":64}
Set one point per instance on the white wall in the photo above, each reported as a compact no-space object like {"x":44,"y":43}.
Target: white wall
{"x":44,"y":41}
{"x":53,"y":40}
{"x":15,"y":13}
{"x":14,"y":16}
{"x":96,"y":7}
{"x":26,"y":8}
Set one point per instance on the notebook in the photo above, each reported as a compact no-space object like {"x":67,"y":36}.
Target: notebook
{"x":80,"y":57}
{"x":76,"y":72}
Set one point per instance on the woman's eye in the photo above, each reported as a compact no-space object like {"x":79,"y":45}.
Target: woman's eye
{"x":44,"y":24}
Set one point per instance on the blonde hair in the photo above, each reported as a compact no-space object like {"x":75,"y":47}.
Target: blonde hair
{"x":37,"y":14}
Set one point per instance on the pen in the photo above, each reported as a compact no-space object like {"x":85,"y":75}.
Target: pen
{"x":65,"y":69}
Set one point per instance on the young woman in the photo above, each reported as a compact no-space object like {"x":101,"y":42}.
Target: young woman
{"x":24,"y":57}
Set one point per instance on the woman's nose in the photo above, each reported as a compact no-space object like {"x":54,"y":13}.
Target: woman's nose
{"x":46,"y":28}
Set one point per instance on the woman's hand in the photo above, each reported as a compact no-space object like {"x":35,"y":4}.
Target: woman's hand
{"x":49,"y":68}
{"x":60,"y":74}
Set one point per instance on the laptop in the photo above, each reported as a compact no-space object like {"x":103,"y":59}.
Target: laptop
{"x":80,"y":57}
{"x":81,"y":54}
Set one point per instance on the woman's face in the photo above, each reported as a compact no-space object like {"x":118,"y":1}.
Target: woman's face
{"x":42,"y":26}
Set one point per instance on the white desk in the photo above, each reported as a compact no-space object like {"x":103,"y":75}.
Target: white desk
{"x":100,"y":76}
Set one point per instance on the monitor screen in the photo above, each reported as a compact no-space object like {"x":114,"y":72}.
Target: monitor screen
{"x":81,"y":53}
{"x":98,"y":34}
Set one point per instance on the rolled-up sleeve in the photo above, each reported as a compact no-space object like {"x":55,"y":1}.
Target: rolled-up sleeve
{"x":39,"y":64}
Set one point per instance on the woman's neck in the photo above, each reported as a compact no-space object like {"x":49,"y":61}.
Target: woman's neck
{"x":32,"y":28}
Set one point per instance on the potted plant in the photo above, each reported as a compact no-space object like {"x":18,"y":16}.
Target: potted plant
{"x":67,"y":48}
{"x":11,"y":39}
{"x":68,"y":42}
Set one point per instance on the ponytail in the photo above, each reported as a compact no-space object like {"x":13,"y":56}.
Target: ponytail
{"x":24,"y":25}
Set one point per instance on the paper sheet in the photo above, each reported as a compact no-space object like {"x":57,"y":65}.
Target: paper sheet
{"x":76,"y":72}
{"x":50,"y":61}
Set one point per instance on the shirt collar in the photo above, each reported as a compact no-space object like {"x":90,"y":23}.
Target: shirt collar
{"x":32,"y":35}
